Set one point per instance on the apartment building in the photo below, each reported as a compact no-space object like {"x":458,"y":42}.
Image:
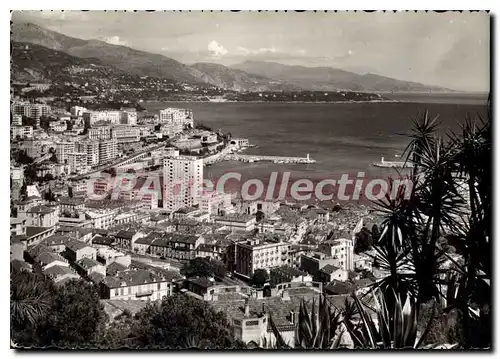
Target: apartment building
{"x":126,"y":134}
{"x":17,"y":120}
{"x":128,"y":117}
{"x":237,"y":222}
{"x":21,"y":132}
{"x":111,"y":117}
{"x":108,"y":151}
{"x":42,"y":216}
{"x":77,"y":162}
{"x":138,"y":284}
{"x":32,"y":110}
{"x":215,"y":203}
{"x":58,"y":126}
{"x":342,"y":249}
{"x":255,"y":254}
{"x":91,"y":149}
{"x":63,"y":149}
{"x":77,"y":111}
{"x":103,"y":218}
{"x":176,"y":119}
{"x":182,"y":178}
{"x":99,"y":133}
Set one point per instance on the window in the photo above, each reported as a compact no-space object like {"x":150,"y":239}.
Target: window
{"x":121,"y":291}
{"x":116,"y":292}
{"x":159,"y":286}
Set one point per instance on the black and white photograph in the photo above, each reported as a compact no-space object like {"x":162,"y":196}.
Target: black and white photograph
{"x":251,"y":180}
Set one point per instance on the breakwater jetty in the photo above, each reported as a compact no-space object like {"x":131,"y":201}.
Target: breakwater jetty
{"x":392,"y":164}
{"x":275,"y":159}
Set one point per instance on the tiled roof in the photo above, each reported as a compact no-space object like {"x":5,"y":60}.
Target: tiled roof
{"x":132,"y":277}
{"x":125,"y":234}
{"x":76,"y":245}
{"x":32,"y":231}
{"x":145,"y":240}
{"x":45,"y":258}
{"x":114,"y":268}
{"x":102,"y":240}
{"x":329,"y":269}
{"x":41,"y":210}
{"x":87,"y":263}
{"x":55,"y":240}
{"x":57,"y":271}
{"x":96,"y":277}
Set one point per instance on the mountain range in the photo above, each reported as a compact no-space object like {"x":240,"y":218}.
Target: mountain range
{"x":246,"y":76}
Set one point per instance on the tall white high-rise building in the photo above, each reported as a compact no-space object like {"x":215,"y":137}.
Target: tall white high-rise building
{"x":108,"y":151}
{"x":63,"y":149}
{"x":182,"y":181}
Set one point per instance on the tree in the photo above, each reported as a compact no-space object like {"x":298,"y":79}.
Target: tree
{"x":363,"y":240}
{"x":182,"y":321}
{"x":30,"y":299}
{"x":260,"y":277}
{"x":197,"y":267}
{"x":77,"y":317}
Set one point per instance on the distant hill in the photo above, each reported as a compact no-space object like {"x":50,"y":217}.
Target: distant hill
{"x":31,"y":62}
{"x":330,"y":79}
{"x":132,"y":61}
{"x":247,"y":76}
{"x":238,"y":80}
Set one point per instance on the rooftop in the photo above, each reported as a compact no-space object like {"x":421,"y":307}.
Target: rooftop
{"x":329,"y":269}
{"x":76,"y":245}
{"x":133,"y":277}
{"x":87,"y":263}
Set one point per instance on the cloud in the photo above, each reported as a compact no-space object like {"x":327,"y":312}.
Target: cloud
{"x":115,"y":40}
{"x":216,"y":49}
{"x":260,"y":51}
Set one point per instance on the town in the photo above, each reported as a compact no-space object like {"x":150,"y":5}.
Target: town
{"x":135,"y":246}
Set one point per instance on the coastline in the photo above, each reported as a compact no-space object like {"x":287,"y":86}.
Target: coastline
{"x":277,"y":102}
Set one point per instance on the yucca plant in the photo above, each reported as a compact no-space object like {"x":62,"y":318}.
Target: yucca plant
{"x":318,"y":329}
{"x":379,"y":327}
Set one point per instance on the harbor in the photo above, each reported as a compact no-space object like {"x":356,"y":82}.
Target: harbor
{"x":274,"y":159}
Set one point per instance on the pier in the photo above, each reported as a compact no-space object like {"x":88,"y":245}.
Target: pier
{"x":392,"y":164}
{"x":275,"y":159}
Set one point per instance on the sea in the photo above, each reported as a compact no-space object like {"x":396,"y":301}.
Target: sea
{"x":341,"y":137}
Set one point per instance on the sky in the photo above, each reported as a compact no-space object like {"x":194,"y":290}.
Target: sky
{"x":445,"y":49}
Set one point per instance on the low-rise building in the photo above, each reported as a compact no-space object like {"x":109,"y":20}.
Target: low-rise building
{"x":237,"y":223}
{"x":76,"y":250}
{"x":312,"y":263}
{"x":138,"y":284}
{"x":253,"y":254}
{"x":86,"y":266}
{"x":288,"y":274}
{"x":42,"y":216}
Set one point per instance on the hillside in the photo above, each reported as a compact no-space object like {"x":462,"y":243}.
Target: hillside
{"x":31,"y":63}
{"x":132,"y":61}
{"x":330,"y":79}
{"x":246,"y":76}
{"x":237,"y":80}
